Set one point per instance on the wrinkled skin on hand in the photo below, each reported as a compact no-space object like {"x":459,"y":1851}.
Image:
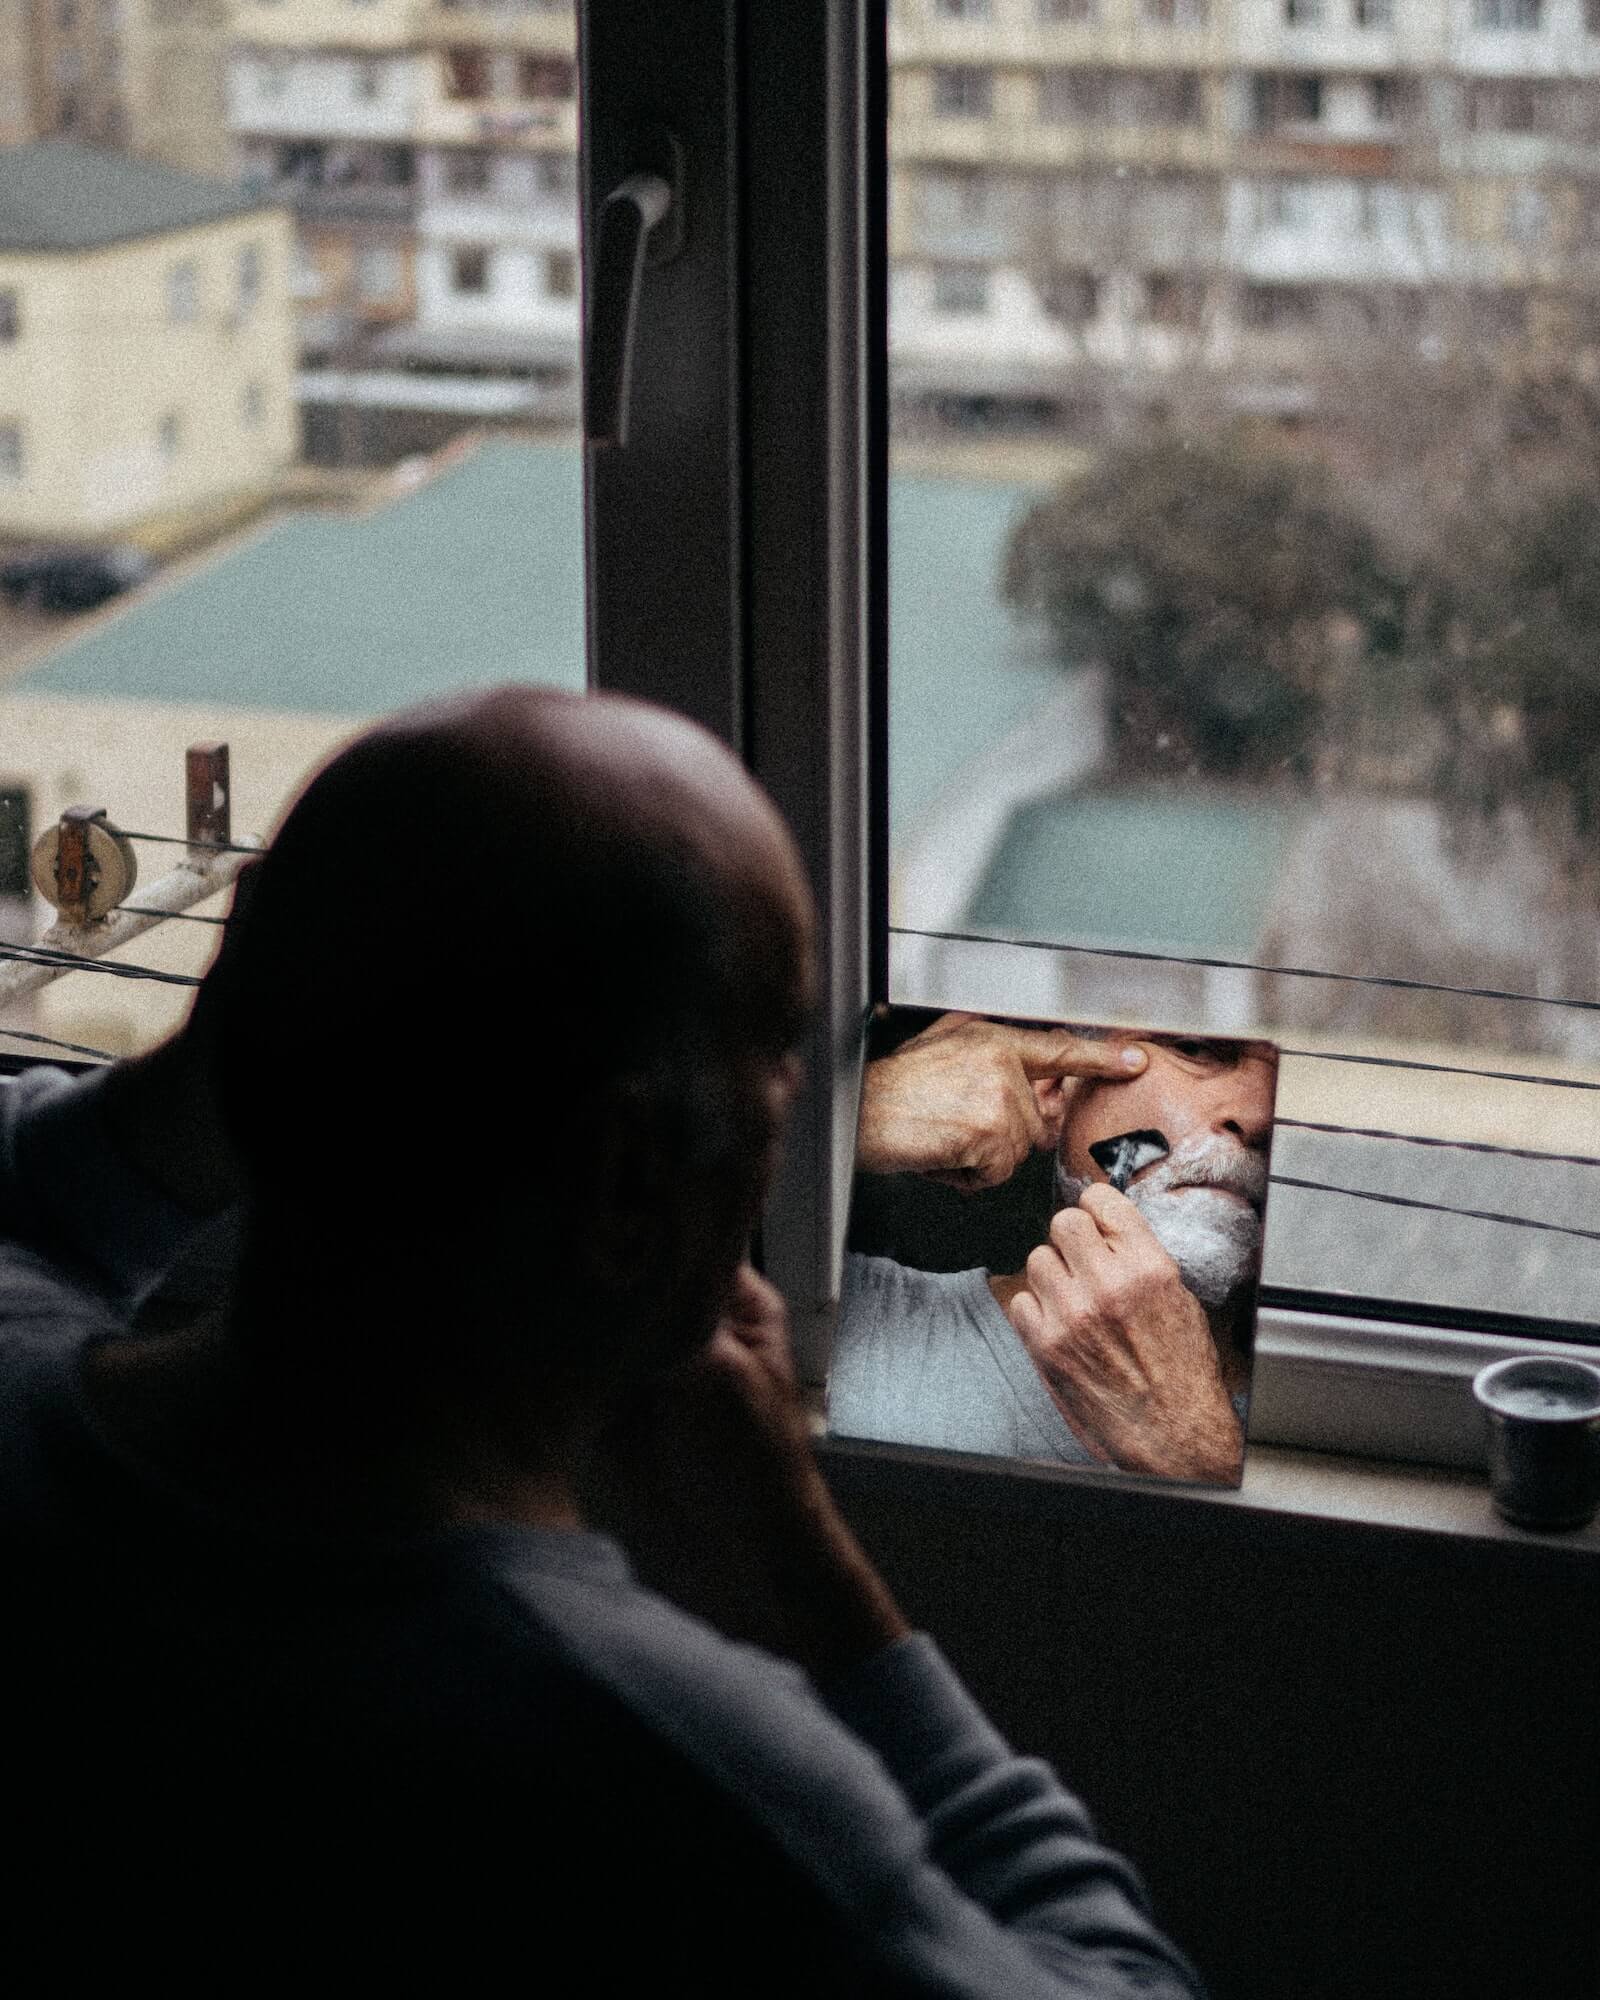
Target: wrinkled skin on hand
{"x":967,"y":1100}
{"x":1125,"y":1350}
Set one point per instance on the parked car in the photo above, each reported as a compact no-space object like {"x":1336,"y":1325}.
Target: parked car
{"x":63,"y":579}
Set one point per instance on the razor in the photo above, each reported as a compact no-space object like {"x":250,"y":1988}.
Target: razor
{"x":1121,"y":1157}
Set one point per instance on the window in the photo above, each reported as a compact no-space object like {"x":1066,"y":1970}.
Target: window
{"x":1374,"y":13}
{"x":1285,"y":204}
{"x":366,"y":79}
{"x":1383,"y":99}
{"x":1175,"y":13}
{"x":249,"y":277}
{"x":556,"y":173}
{"x":1527,"y":217}
{"x":469,"y":269}
{"x":1303,"y":13}
{"x":1520,"y":16}
{"x":169,"y":434}
{"x":545,"y":77}
{"x":1073,"y":297}
{"x":1285,"y":100}
{"x":11,"y":460}
{"x":962,"y":10}
{"x":1054,"y":13}
{"x":1174,"y":299}
{"x":379,"y":273}
{"x":183,"y":294}
{"x":10,"y":314}
{"x":466,"y":73}
{"x":468,"y":171}
{"x":560,"y":274}
{"x":962,"y":93}
{"x":1503,"y":106}
{"x":1591,"y":16}
{"x":252,"y":405}
{"x":1277,"y":308}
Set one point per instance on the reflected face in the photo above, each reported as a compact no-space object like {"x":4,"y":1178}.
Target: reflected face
{"x":1212,"y":1103}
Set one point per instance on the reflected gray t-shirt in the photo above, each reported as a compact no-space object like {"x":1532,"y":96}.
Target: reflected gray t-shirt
{"x":927,"y":1357}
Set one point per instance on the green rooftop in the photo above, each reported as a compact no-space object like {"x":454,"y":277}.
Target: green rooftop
{"x":1155,"y":869}
{"x":59,"y":196}
{"x":474,"y":578}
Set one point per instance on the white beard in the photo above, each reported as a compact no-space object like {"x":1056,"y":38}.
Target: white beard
{"x":1214,"y":1240}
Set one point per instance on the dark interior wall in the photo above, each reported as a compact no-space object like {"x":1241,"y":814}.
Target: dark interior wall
{"x":1350,"y":1761}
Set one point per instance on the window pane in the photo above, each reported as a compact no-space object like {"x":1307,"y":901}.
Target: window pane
{"x":286,"y":444}
{"x":1244,"y":431}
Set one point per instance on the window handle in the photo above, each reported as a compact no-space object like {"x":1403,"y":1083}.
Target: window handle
{"x":629,"y":217}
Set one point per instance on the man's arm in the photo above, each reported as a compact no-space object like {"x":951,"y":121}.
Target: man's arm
{"x":968,"y":1099}
{"x":1124,"y":1348}
{"x":1001,"y":1886}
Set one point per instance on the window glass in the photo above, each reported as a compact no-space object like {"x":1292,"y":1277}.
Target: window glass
{"x":287,"y":427}
{"x":1244,"y":435}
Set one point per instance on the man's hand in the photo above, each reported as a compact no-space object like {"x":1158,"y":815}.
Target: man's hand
{"x":967,"y":1100}
{"x":1124,"y":1347}
{"x":713,"y":1486}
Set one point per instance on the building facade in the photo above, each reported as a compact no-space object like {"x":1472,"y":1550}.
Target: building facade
{"x":146,"y":343}
{"x":430,"y":154}
{"x":1093,"y":198}
{"x":142,"y":76}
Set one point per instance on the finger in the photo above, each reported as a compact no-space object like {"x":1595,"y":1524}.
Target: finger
{"x":1050,"y":1096}
{"x":947,"y":1024}
{"x":1115,"y":1217}
{"x":1027,"y":1318}
{"x":1052,"y":1052}
{"x":1076,"y":1238}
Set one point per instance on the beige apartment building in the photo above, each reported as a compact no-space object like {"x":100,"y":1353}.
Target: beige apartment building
{"x":146,"y":342}
{"x":1090,"y":196}
{"x":429,"y":152}
{"x":142,"y":76}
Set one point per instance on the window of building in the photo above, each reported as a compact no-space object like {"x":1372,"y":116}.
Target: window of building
{"x":169,"y":434}
{"x":10,"y":314}
{"x":1384,"y":99}
{"x":468,"y":170}
{"x":1277,"y":308}
{"x":1286,"y":203}
{"x":1303,"y":13}
{"x":11,"y":460}
{"x":540,"y":77}
{"x":1504,"y":105}
{"x":1074,"y":95}
{"x":1071,"y":296}
{"x":469,"y":268}
{"x":1374,"y":13}
{"x":379,"y":273}
{"x":249,"y":277}
{"x":1053,"y":13}
{"x":1520,"y":16}
{"x":962,"y":92}
{"x":1527,"y":217}
{"x":1591,"y":16}
{"x":466,"y":73}
{"x":962,"y":10}
{"x":183,"y":293}
{"x":561,"y":274}
{"x":1286,"y":99}
{"x":252,"y":405}
{"x":960,"y":290}
{"x":1164,"y":97}
{"x":1174,"y":298}
{"x":555,"y":173}
{"x":958,"y":198}
{"x":1175,"y":13}
{"x":366,"y":79}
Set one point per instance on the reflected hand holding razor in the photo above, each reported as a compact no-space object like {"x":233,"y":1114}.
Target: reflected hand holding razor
{"x":1126,"y":1153}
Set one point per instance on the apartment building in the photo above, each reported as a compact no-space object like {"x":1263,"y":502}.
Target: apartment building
{"x":146,"y":342}
{"x":1090,"y":197}
{"x":141,"y":76}
{"x":430,"y":153}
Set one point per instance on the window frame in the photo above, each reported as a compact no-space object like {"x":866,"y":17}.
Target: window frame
{"x":763,"y":613}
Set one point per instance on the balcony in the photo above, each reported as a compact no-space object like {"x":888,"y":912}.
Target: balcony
{"x":540,"y":30}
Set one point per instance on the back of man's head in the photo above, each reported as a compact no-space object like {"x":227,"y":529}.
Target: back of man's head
{"x":491,"y":934}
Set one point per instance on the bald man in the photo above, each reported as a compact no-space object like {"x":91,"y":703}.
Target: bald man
{"x":316,"y":1658}
{"x":1124,"y":1341}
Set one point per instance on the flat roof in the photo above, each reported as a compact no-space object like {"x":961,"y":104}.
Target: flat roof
{"x":56,"y":195}
{"x":475,"y":577}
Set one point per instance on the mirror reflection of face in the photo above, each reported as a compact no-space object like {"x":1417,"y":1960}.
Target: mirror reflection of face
{"x":1192,"y":1089}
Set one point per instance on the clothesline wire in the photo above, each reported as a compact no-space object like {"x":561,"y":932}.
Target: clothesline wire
{"x":1436,"y":1207}
{"x":182,"y":916}
{"x":1248,"y":965}
{"x":1441,"y":1069}
{"x":1454,"y":1145}
{"x":55,"y":1042}
{"x":69,"y":961}
{"x":181,"y":840}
